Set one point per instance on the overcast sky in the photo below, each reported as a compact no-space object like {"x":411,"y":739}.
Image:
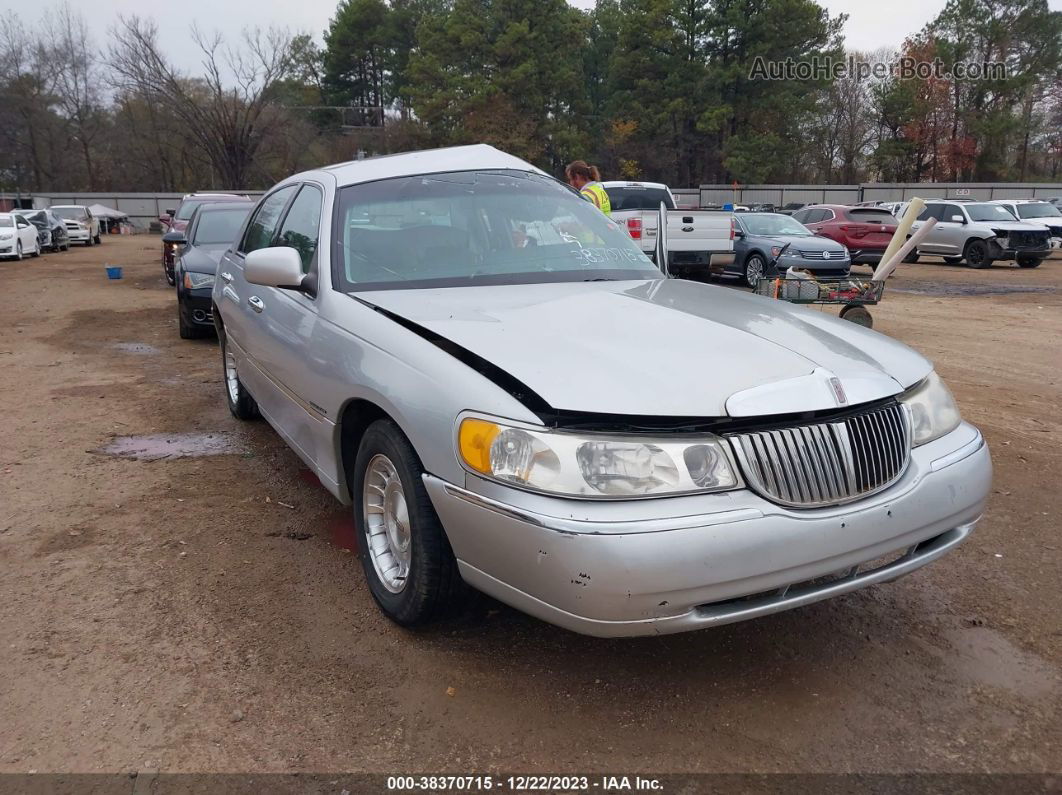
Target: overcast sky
{"x":872,"y":23}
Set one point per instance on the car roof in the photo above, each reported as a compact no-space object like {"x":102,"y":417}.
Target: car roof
{"x":207,"y":206}
{"x":622,"y":183}
{"x":64,"y":206}
{"x":221,"y":197}
{"x":475,"y":157}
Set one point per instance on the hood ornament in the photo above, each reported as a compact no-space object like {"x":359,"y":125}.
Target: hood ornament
{"x":838,"y":391}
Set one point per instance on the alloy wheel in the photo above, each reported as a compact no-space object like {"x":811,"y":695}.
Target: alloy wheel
{"x":387,"y":530}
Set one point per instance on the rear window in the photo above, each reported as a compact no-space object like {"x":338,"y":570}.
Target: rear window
{"x":638,"y":197}
{"x":870,"y":216}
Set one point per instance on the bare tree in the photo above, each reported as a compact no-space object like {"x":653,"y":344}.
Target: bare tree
{"x":77,"y":81}
{"x":227,"y":112}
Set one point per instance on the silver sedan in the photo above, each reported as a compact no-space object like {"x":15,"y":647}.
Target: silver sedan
{"x":511,"y":397}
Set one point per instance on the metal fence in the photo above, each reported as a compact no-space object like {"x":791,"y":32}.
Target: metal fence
{"x":780,"y":195}
{"x":142,"y":208}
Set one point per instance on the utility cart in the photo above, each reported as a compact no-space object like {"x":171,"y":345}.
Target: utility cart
{"x":854,"y":295}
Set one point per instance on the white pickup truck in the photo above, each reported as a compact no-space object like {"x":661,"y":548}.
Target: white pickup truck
{"x":700,"y":240}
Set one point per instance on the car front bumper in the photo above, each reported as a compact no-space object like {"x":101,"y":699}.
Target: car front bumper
{"x":676,"y":564}
{"x":7,"y":248}
{"x":77,"y":235}
{"x":196,"y":306}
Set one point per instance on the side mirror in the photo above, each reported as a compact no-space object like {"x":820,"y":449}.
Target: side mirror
{"x":176,"y":238}
{"x":278,"y":266}
{"x":738,"y":233}
{"x":958,"y":219}
{"x":170,"y":212}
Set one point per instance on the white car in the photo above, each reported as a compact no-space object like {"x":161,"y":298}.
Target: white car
{"x":18,"y":237}
{"x":81,"y":224}
{"x":1036,"y":211}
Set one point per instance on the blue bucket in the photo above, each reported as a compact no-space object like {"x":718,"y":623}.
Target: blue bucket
{"x":113,"y":272}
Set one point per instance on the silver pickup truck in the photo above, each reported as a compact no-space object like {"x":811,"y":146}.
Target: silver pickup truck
{"x":701,"y":240}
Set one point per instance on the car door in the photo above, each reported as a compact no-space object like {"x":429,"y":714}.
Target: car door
{"x":951,"y":233}
{"x":285,"y":323}
{"x":240,"y":303}
{"x":933,"y":243}
{"x":27,"y":234}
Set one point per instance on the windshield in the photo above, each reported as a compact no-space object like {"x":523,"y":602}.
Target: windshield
{"x":638,"y":197}
{"x":36,"y":218}
{"x":70,"y":213}
{"x":1038,"y":211}
{"x":184,"y":212}
{"x":474,"y":228}
{"x":219,"y":226}
{"x":989,"y":212}
{"x":774,"y":225}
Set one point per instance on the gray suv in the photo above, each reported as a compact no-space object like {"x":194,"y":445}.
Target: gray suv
{"x":980,"y":233}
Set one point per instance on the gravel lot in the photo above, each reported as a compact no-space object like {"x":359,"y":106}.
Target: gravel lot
{"x":206,"y":614}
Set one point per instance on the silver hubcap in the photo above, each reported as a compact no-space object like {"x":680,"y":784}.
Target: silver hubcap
{"x":754,"y":270}
{"x":232,"y":383}
{"x":387,"y":535}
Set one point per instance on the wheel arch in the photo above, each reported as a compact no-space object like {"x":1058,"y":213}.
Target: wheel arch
{"x":353,"y":420}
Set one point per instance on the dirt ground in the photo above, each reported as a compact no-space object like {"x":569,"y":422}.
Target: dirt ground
{"x":206,"y":614}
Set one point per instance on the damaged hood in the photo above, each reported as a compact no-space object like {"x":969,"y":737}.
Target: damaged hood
{"x":663,"y":347}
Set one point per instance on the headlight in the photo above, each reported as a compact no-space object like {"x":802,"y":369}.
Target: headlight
{"x":932,"y":409}
{"x":594,"y":465}
{"x":6,"y":235}
{"x":193,"y":281}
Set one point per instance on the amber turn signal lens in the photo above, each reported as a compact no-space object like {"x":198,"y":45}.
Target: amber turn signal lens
{"x":474,"y":440}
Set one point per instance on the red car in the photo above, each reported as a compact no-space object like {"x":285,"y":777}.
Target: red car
{"x":864,"y":231}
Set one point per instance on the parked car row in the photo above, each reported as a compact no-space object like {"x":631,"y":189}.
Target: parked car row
{"x":29,"y":233}
{"x":176,"y":221}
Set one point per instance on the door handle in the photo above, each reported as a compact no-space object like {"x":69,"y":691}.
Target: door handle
{"x":256,"y":303}
{"x":226,"y":277}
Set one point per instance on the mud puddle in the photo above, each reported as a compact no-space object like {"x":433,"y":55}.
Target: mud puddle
{"x":139,"y":348}
{"x":155,"y":447}
{"x":969,"y":289}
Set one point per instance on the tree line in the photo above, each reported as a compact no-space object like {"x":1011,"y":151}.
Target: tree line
{"x":663,"y":90}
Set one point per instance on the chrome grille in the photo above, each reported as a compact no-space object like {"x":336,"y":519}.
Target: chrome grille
{"x":826,"y":463}
{"x":823,"y":255}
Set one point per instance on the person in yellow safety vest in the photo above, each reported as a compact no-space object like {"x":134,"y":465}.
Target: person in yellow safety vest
{"x":587,"y":180}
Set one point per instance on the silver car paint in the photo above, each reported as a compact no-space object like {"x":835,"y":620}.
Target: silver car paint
{"x":647,"y":348}
{"x":665,"y":347}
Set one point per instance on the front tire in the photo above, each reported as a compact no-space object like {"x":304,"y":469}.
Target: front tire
{"x":36,"y":250}
{"x":409,"y":565}
{"x":96,"y":240}
{"x":976,"y":255}
{"x":911,"y":258}
{"x":241,"y":404}
{"x":755,"y":269}
{"x":18,"y":251}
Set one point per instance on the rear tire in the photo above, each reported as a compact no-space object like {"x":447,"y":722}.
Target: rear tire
{"x":1029,"y":262}
{"x":241,"y":404}
{"x":409,"y":566}
{"x":976,"y":255}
